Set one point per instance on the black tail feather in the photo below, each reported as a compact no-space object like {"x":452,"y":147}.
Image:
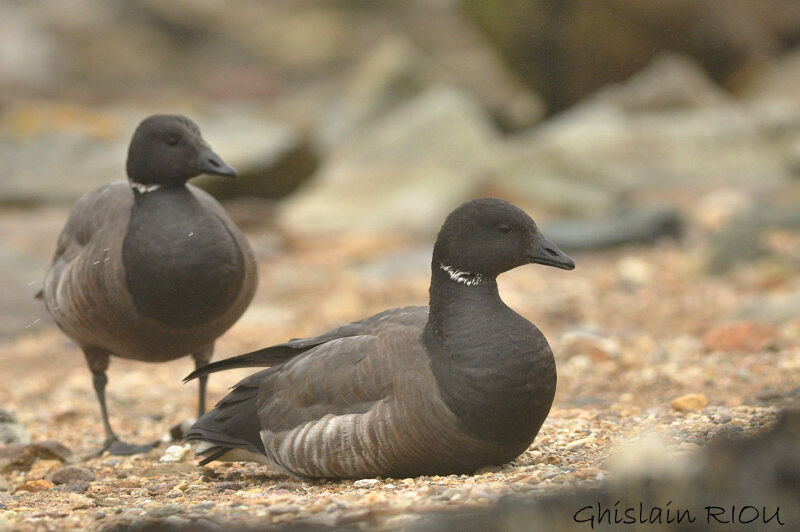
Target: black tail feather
{"x":213,"y":456}
{"x":269,"y":356}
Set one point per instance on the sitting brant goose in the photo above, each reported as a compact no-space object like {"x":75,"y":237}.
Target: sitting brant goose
{"x":464,"y":383}
{"x":151,"y":269}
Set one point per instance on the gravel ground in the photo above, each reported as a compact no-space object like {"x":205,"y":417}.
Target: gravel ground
{"x":647,"y":347}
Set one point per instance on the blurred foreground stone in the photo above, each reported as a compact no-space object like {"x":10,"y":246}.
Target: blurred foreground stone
{"x":734,"y":484}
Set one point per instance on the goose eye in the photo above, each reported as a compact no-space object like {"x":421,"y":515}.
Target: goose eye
{"x":504,"y":228}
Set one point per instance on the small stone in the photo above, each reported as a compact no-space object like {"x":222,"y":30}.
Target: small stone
{"x":77,"y":486}
{"x":366,"y":483}
{"x":6,"y":498}
{"x":10,"y":430}
{"x":42,"y":468}
{"x":227,"y":485}
{"x":177,"y":431}
{"x":176,"y":453}
{"x":634,"y":271}
{"x":487,"y":470}
{"x":67,"y":474}
{"x":584,"y":343}
{"x":692,"y":401}
{"x":35,"y":485}
{"x":745,"y":336}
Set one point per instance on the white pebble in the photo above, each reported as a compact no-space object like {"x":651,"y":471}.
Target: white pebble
{"x":366,"y":483}
{"x":176,"y":453}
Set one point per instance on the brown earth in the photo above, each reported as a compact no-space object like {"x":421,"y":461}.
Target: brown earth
{"x":630,"y":329}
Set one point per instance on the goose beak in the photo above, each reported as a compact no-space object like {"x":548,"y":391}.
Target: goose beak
{"x":211,"y":163}
{"x":547,"y":253}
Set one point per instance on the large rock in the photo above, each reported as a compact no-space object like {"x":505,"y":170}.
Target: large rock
{"x":618,"y":152}
{"x":407,"y":170}
{"x":566,"y":50}
{"x":670,"y":82}
{"x":56,"y":153}
{"x":389,"y":75}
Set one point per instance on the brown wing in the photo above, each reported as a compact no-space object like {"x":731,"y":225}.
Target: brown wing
{"x":358,"y":406}
{"x":86,"y":292}
{"x":82,"y":281}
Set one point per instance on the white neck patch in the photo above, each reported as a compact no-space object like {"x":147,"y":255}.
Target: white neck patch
{"x":467,"y":278}
{"x":142,"y":188}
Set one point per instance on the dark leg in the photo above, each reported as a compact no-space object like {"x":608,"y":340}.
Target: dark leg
{"x":98,"y":361}
{"x":201,"y":358}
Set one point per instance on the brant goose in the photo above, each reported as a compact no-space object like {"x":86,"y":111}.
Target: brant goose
{"x":464,"y":383}
{"x":151,"y":269}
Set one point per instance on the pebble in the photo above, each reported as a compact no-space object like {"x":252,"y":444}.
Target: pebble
{"x":34,"y":486}
{"x":588,"y":344}
{"x":745,"y":336}
{"x":692,"y":401}
{"x":634,"y":271}
{"x":227,"y":485}
{"x":176,"y":453}
{"x":68,"y":474}
{"x":77,"y":486}
{"x":10,"y":430}
{"x":366,"y":483}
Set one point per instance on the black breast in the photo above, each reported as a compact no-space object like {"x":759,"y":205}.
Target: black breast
{"x":183,"y":267}
{"x":495,"y":371}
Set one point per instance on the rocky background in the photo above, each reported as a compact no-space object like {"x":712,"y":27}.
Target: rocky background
{"x":656,"y":140}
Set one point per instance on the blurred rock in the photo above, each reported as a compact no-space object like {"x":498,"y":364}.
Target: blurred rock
{"x":621,"y":154}
{"x":21,"y":276}
{"x":272,"y":159}
{"x":77,"y":486}
{"x":367,"y":483}
{"x":717,"y":208}
{"x":19,"y":457}
{"x":34,"y":486}
{"x":668,"y":83}
{"x":10,"y":429}
{"x":80,"y":148}
{"x":176,"y":453}
{"x":177,"y":431}
{"x":692,"y":401}
{"x":547,"y":41}
{"x":774,"y":309}
{"x":425,"y":157}
{"x":744,"y":336}
{"x":633,"y":271}
{"x":728,"y":472}
{"x":71,"y":474}
{"x":390,"y":74}
{"x":740,"y":240}
{"x":28,"y":51}
{"x":637,"y":227}
{"x":581,"y":342}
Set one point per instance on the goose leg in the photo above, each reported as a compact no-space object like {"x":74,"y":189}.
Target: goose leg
{"x":98,"y":361}
{"x":201,"y":358}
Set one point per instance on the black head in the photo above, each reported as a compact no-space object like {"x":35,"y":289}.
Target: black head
{"x":169,"y":150}
{"x":489,"y":236}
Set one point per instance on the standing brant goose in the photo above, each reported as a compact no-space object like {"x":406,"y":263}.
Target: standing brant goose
{"x":464,"y":383}
{"x":151,"y":269}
